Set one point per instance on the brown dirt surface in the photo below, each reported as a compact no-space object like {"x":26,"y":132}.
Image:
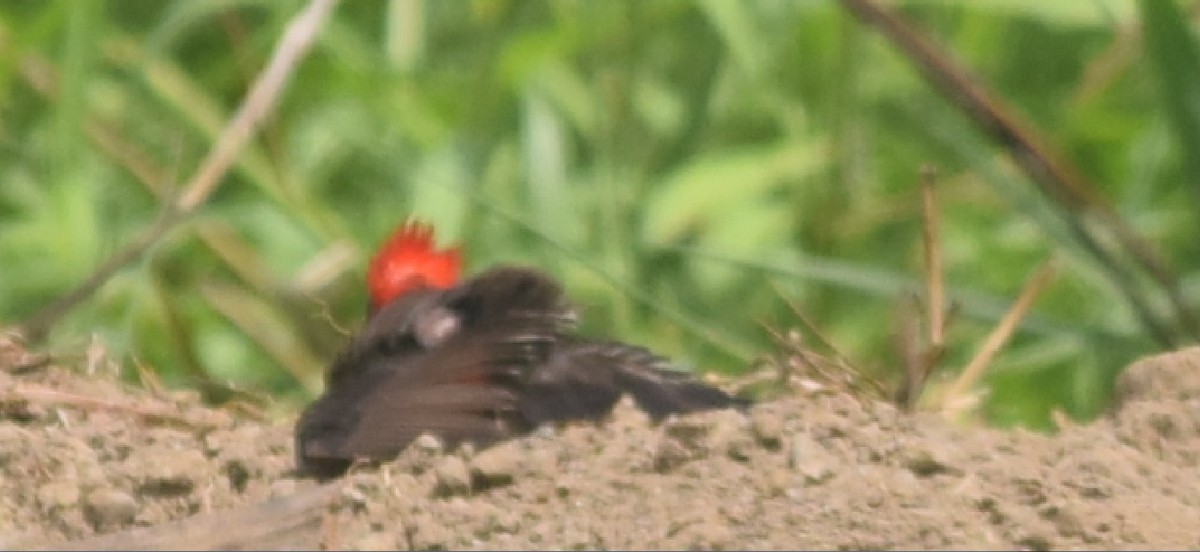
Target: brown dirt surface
{"x":88,"y":462}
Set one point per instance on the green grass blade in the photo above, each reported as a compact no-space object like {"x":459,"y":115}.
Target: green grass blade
{"x":1175,"y":55}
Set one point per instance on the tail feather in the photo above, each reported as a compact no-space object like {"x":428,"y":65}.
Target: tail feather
{"x":660,"y":396}
{"x":584,"y":379}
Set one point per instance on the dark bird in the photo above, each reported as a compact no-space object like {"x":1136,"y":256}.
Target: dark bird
{"x":479,"y":360}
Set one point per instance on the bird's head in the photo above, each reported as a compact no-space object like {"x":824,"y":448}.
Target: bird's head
{"x":407,"y":261}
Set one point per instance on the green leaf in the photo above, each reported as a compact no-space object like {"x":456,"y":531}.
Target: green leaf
{"x":709,"y":188}
{"x":1175,"y":55}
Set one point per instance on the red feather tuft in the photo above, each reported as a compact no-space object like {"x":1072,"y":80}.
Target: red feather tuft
{"x":407,"y":261}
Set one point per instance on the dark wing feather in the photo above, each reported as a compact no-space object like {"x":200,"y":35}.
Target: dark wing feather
{"x":506,"y":298}
{"x":584,"y":379}
{"x":382,"y":408}
{"x":393,"y":383}
{"x":390,"y":332}
{"x":661,"y":390}
{"x":508,"y":295}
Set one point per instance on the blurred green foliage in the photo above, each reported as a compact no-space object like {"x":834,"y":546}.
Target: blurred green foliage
{"x":677,"y":163}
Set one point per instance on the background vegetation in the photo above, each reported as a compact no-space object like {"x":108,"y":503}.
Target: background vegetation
{"x":686,"y":167}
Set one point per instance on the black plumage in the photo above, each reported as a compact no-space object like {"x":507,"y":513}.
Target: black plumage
{"x":492,"y":357}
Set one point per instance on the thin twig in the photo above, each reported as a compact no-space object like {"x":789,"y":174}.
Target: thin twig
{"x":907,"y":338}
{"x":258,"y":103}
{"x":934,"y":288}
{"x":812,"y":328}
{"x":999,"y":334}
{"x":39,"y":394}
{"x":837,"y":369}
{"x":295,"y":43}
{"x":918,"y":365}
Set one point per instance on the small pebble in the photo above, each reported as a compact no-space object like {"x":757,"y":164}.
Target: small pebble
{"x":767,"y":427}
{"x":109,"y":508}
{"x":58,"y":495}
{"x":811,"y":459}
{"x":497,"y":465}
{"x":453,"y":478}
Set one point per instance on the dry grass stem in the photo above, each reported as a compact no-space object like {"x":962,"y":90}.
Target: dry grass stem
{"x":919,"y":362}
{"x":295,"y":43}
{"x":812,"y":328}
{"x":908,"y":344}
{"x":934,"y":288}
{"x":836,"y":370}
{"x":47,"y":395}
{"x":998,"y":336}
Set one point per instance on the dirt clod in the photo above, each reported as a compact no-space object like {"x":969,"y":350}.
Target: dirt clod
{"x":107,"y":509}
{"x":453,"y":478}
{"x":497,"y":466}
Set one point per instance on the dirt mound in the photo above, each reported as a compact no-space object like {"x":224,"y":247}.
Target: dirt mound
{"x":88,"y":462}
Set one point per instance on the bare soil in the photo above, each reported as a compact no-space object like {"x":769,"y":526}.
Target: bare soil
{"x":88,"y":462}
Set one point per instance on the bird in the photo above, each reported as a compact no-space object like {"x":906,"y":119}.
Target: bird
{"x":476,"y":360}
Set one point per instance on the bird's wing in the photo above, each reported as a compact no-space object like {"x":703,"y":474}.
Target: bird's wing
{"x":583,"y":379}
{"x":511,"y":295}
{"x":459,"y":390}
